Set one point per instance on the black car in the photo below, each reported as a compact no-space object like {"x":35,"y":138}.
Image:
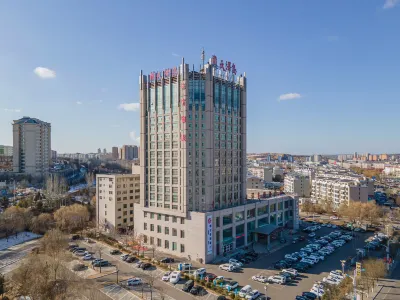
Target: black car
{"x":76,"y":237}
{"x":301,"y":298}
{"x":130,"y":259}
{"x":197,"y":290}
{"x":167,"y":260}
{"x":287,"y":276}
{"x":78,"y":249}
{"x":309,"y":295}
{"x":115,"y":252}
{"x":253,"y":254}
{"x":244,"y":260}
{"x":280,"y":266}
{"x":188,"y":286}
{"x":250,"y":258}
{"x":145,"y":266}
{"x":222,"y":298}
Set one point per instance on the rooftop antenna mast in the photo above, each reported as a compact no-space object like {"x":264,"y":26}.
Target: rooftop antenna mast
{"x":203,"y":56}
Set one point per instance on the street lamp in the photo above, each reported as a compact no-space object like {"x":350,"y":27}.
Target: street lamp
{"x":343,"y":262}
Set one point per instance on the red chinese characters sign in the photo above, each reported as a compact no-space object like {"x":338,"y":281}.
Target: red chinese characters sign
{"x":163,"y":74}
{"x":183,"y":137}
{"x":224,"y":66}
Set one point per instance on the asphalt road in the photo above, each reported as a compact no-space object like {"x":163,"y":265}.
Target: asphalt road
{"x":12,"y":257}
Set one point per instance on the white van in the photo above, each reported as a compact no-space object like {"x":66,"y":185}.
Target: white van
{"x":245,"y":290}
{"x":175,"y":277}
{"x":313,"y":259}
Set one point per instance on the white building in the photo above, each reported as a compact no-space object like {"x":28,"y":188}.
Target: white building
{"x":297,"y":184}
{"x":262,"y":172}
{"x":338,"y":191}
{"x":31,"y":146}
{"x":116,"y":195}
{"x":6,"y":150}
{"x":277,"y":171}
{"x":392,"y":171}
{"x":254,"y":182}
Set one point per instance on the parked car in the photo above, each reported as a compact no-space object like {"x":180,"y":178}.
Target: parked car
{"x":254,"y":294}
{"x":186,"y":266}
{"x":124,"y":256}
{"x":145,"y":266}
{"x":227,"y":267}
{"x":102,"y":263}
{"x":309,"y":295}
{"x":115,"y":252}
{"x":291,"y":271}
{"x":231,"y":285}
{"x":130,"y":259}
{"x":260,"y":278}
{"x":288,"y":277}
{"x":175,"y":277}
{"x":197,"y":290}
{"x":87,"y":257}
{"x":235,"y":263}
{"x":277,"y":279}
{"x":188,"y":286}
{"x":166,"y":276}
{"x":200,"y":271}
{"x":245,"y":290}
{"x":134,"y":281}
{"x":167,"y":260}
{"x":139,"y":263}
{"x":210,"y":277}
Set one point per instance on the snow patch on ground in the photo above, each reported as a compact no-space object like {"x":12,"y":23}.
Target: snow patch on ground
{"x":15,"y":240}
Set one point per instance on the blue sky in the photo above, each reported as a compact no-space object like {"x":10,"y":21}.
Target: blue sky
{"x":73,"y":63}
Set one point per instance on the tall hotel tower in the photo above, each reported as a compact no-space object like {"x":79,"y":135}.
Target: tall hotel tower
{"x":193,"y":161}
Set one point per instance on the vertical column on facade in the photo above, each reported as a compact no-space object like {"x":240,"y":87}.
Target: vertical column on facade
{"x":143,"y":137}
{"x":243,"y":115}
{"x":209,"y":144}
{"x":183,"y":100}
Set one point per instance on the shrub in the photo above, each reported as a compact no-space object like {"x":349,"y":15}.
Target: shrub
{"x":209,"y":285}
{"x":197,"y":279}
{"x":232,"y":295}
{"x":202,"y":282}
{"x":191,"y":277}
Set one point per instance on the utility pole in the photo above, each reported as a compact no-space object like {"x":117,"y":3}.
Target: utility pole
{"x":343,"y":262}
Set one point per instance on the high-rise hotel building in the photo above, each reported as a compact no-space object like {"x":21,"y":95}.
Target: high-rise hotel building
{"x":192,"y":158}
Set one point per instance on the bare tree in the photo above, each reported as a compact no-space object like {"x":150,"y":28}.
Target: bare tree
{"x":42,"y":223}
{"x":55,"y":190}
{"x":98,"y":250}
{"x":71,"y":218}
{"x":54,"y":244}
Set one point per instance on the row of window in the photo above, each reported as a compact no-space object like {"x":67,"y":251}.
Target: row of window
{"x":167,"y":244}
{"x":166,"y":230}
{"x":165,"y":218}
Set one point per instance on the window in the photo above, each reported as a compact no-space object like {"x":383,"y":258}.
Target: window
{"x":145,"y":239}
{"x":145,"y":214}
{"x":119,"y":209}
{"x":239,"y":216}
{"x":217,"y":221}
{"x":151,"y":227}
{"x":151,"y":215}
{"x":131,"y":205}
{"x":174,"y":219}
{"x":262,"y":210}
{"x":182,"y":248}
{"x":166,"y":218}
{"x":174,"y":232}
{"x":166,"y":244}
{"x":166,"y":231}
{"x":125,"y":206}
{"x":174,"y":246}
{"x":145,"y":226}
{"x":182,"y":221}
{"x":131,"y":212}
{"x":158,"y":242}
{"x":182,"y":234}
{"x":158,"y":216}
{"x":227,"y":219}
{"x":251,"y":213}
{"x":151,"y":240}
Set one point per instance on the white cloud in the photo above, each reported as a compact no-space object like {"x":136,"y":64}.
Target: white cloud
{"x":135,"y":138}
{"x":390,"y":4}
{"x":289,"y":96}
{"x":175,"y":54}
{"x":129,"y":106}
{"x":44,"y":73}
{"x":79,"y":102}
{"x":16,"y":110}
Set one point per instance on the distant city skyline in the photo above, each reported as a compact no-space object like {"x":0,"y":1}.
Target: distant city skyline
{"x":316,"y":84}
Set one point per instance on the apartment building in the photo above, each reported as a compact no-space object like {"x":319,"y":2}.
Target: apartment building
{"x":31,"y":146}
{"x":254,"y":182}
{"x":129,"y":152}
{"x":299,"y":184}
{"x":115,"y":153}
{"x":6,"y":150}
{"x":338,"y":191}
{"x":264,"y":173}
{"x":116,"y":195}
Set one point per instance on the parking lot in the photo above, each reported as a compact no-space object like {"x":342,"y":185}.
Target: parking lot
{"x":264,"y":266}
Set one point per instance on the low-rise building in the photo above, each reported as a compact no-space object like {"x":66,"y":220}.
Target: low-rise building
{"x":299,"y":184}
{"x":116,"y":195}
{"x":254,"y":182}
{"x":203,"y":236}
{"x":262,"y":172}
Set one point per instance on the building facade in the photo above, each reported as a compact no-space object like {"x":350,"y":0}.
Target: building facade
{"x":297,"y":184}
{"x":6,"y":150}
{"x":264,"y":173}
{"x":115,"y":153}
{"x":129,"y":152}
{"x":193,"y":161}
{"x":31,"y":146}
{"x":115,"y":199}
{"x":254,"y":182}
{"x":338,"y":191}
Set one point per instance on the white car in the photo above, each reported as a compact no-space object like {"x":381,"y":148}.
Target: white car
{"x":312,"y":234}
{"x":318,"y":292}
{"x":124,"y":256}
{"x":87,"y":257}
{"x":134,"y":281}
{"x":200,"y":271}
{"x":291,"y":271}
{"x":334,"y":218}
{"x":277,"y":279}
{"x":253,"y":295}
{"x":336,"y":272}
{"x":227,"y":267}
{"x":166,"y":276}
{"x":328,"y":225}
{"x":330,"y":281}
{"x":245,"y":290}
{"x":260,"y":278}
{"x":231,"y":285}
{"x":175,"y":277}
{"x":303,"y":254}
{"x":81,"y":253}
{"x":318,"y":256}
{"x":235,"y":263}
